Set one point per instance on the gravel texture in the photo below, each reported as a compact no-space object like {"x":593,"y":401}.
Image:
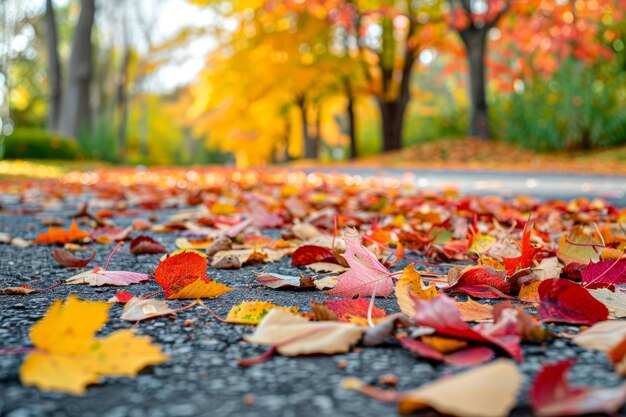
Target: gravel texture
{"x":202,"y":378}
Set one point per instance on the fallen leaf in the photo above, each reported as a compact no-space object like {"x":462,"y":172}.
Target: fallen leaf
{"x":228,"y":262}
{"x":441,"y":314}
{"x":98,"y":277}
{"x":471,"y":356}
{"x":563,"y":301}
{"x":411,"y":285}
{"x":487,"y":391}
{"x":146,"y":245}
{"x":58,"y":235}
{"x":137,"y":309}
{"x":366,"y":276}
{"x":183,"y":275}
{"x":67,"y":260}
{"x":577,"y":246}
{"x":327,"y":267}
{"x":615,"y":301}
{"x":551,"y":395}
{"x":473,"y":311}
{"x":184,"y":243}
{"x":285,"y":281}
{"x":529,"y":253}
{"x":602,"y":336}
{"x":68,"y":357}
{"x":606,"y":272}
{"x":295,"y":335}
{"x":530,"y":292}
{"x":482,"y":282}
{"x":218,"y":245}
{"x":349,"y":309}
{"x":308,"y":254}
{"x":252,"y":312}
{"x":25,"y":290}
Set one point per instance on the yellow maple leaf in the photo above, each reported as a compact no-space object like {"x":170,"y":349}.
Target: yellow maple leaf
{"x":410,"y":285}
{"x":201,"y":289}
{"x":68,"y":357}
{"x":251,"y":312}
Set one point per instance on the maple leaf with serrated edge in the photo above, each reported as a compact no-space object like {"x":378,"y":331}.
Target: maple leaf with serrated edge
{"x":68,"y":357}
{"x":527,"y":258}
{"x":183,"y":275}
{"x":366,"y":276}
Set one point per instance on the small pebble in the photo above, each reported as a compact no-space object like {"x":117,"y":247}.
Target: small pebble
{"x":249,"y":399}
{"x":388,"y":379}
{"x":342,"y":364}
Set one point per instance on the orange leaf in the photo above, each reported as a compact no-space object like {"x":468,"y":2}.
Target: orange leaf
{"x":58,"y":235}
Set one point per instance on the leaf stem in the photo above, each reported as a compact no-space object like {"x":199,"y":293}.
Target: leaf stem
{"x":119,"y":245}
{"x":213,"y":313}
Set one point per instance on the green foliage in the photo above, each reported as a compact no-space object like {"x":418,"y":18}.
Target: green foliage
{"x":33,"y":143}
{"x":101,"y":142}
{"x":577,"y":108}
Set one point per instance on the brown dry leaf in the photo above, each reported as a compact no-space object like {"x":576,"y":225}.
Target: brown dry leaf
{"x":486,"y":391}
{"x":295,"y":335}
{"x":614,"y":301}
{"x":409,"y":286}
{"x":602,"y":336}
{"x":18,"y":290}
{"x":473,"y":311}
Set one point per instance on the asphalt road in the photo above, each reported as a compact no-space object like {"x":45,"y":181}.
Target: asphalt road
{"x":542,"y":185}
{"x":202,"y":378}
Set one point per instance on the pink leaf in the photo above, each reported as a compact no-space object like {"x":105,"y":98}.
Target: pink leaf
{"x":551,"y":395}
{"x":366,"y":276}
{"x":98,"y":277}
{"x":563,"y":301}
{"x":605,"y":272}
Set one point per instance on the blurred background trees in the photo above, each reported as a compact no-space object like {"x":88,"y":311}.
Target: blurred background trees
{"x":259,"y":81}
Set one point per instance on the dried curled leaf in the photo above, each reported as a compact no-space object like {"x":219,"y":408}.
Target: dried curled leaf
{"x":411,"y":285}
{"x":295,"y":335}
{"x":67,"y":260}
{"x":488,"y":391}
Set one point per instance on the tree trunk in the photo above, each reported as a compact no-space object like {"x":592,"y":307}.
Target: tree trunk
{"x":75,"y":98}
{"x":306,"y":136}
{"x":54,"y":68}
{"x":392,"y":111}
{"x":392,"y":117}
{"x":351,"y":123}
{"x":316,"y":139}
{"x":475,"y":41}
{"x":122,"y":104}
